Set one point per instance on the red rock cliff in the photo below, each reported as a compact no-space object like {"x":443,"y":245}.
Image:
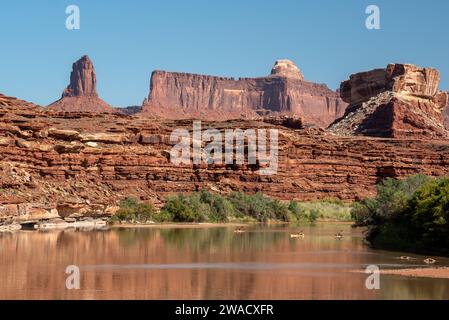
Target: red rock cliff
{"x":401,"y":100}
{"x":446,"y":113}
{"x":183,"y":95}
{"x":74,"y":164}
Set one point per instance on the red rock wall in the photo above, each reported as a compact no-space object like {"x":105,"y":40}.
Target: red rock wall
{"x":446,"y":114}
{"x":183,"y":95}
{"x":402,"y":100}
{"x":84,"y":162}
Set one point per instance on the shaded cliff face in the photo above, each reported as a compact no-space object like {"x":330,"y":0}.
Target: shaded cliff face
{"x":183,"y":95}
{"x":81,"y":94}
{"x":401,"y":100}
{"x":446,"y":114}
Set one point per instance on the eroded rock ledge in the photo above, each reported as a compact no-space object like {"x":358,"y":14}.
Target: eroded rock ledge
{"x":175,"y":95}
{"x":81,"y":164}
{"x":401,"y":100}
{"x":77,"y":164}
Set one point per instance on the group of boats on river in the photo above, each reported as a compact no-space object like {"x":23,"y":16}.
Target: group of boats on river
{"x":339,"y":235}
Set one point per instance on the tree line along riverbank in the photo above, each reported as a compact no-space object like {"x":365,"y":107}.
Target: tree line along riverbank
{"x":406,"y":215}
{"x":205,"y":206}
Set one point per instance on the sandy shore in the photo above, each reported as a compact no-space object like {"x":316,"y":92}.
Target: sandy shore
{"x":432,"y":272}
{"x":211,"y":225}
{"x":178,"y":225}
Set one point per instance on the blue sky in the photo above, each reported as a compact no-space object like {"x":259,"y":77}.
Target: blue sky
{"x":127,"y":40}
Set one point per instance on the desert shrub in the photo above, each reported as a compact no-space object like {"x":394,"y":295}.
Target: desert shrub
{"x":279,"y":210}
{"x":410,"y":214}
{"x":163,"y":216}
{"x":183,"y":209}
{"x":205,"y":206}
{"x":297,"y":212}
{"x":321,"y":209}
{"x":427,"y":213}
{"x":314,"y":214}
{"x":335,"y":201}
{"x":131,"y":209}
{"x":389,"y":203}
{"x":220,"y":208}
{"x":259,"y":207}
{"x":360,"y":213}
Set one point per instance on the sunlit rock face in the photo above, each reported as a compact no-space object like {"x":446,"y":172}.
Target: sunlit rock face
{"x":176,"y":95}
{"x":69,"y":164}
{"x":83,"y":80}
{"x":81,"y":93}
{"x":286,"y":68}
{"x":400,"y":100}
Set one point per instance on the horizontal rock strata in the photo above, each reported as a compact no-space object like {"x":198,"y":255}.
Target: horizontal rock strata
{"x":401,"y":100}
{"x":176,"y":95}
{"x":76,"y":164}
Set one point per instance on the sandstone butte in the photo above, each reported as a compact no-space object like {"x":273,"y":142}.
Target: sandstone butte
{"x":284,"y":92}
{"x":81,"y":94}
{"x":56,"y":163}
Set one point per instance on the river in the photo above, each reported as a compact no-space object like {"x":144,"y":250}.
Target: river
{"x":205,"y":263}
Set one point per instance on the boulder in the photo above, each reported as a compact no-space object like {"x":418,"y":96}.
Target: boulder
{"x":103,"y":137}
{"x":63,"y":134}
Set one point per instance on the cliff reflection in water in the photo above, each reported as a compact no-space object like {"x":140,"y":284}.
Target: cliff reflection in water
{"x":200,"y":263}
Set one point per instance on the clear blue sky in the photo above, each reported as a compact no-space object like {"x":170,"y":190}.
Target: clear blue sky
{"x":127,"y":40}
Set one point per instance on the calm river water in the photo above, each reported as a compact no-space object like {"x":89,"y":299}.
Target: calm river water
{"x":204,"y":263}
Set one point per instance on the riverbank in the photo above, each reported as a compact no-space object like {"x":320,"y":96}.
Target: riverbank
{"x":209,"y":207}
{"x":431,"y":272}
{"x":129,"y":225}
{"x":171,"y":225}
{"x":218,"y":224}
{"x":410,"y":215}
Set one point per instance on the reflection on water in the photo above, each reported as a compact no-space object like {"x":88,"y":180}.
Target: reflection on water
{"x":204,"y":263}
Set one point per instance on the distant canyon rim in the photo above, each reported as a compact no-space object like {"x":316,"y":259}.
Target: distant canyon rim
{"x":79,"y":156}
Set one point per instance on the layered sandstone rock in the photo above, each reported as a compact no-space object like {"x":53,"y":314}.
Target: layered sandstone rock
{"x":81,"y":94}
{"x":446,"y":114}
{"x":12,"y":102}
{"x":81,"y":164}
{"x":83,"y":81}
{"x":286,"y":68}
{"x":130,"y":110}
{"x":183,"y":96}
{"x":401,"y":100}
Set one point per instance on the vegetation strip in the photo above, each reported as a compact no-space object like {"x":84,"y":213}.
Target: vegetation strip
{"x":205,"y":206}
